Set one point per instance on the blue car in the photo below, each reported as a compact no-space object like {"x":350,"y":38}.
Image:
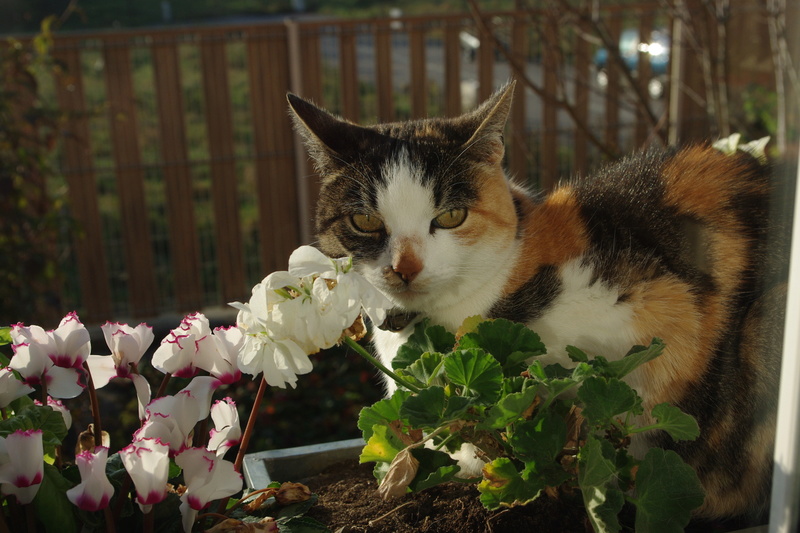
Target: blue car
{"x":629,"y":48}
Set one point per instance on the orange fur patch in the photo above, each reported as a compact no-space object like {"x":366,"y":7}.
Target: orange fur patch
{"x":553,"y":234}
{"x":493,"y":217}
{"x":664,"y":307}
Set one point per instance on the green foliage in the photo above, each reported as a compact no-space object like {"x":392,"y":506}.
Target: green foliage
{"x":29,"y":227}
{"x":537,"y":426}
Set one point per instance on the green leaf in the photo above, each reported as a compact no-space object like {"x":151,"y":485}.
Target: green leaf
{"x":427,"y":370}
{"x":432,"y":408}
{"x":52,"y":507}
{"x":38,"y":417}
{"x":603,"y":399}
{"x":667,"y":490}
{"x":297,"y":509}
{"x":509,"y":409}
{"x":503,"y":485}
{"x":435,"y":468}
{"x":5,"y":336}
{"x":381,"y":412}
{"x":597,"y":479}
{"x":424,"y":339}
{"x":679,"y":425}
{"x":636,"y":357}
{"x":577,"y":355}
{"x":509,"y":342}
{"x":426,"y":408}
{"x":477,"y":372}
{"x":540,"y":440}
{"x":301,"y":524}
{"x":381,"y":447}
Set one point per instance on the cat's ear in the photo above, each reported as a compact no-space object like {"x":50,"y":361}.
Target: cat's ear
{"x":325,"y":134}
{"x":489,"y":121}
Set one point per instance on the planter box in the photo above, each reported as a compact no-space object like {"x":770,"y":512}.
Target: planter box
{"x":296,"y":464}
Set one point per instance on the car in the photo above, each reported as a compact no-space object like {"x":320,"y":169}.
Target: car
{"x":629,"y":48}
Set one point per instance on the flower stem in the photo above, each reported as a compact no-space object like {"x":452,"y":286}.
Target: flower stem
{"x":163,"y":387}
{"x":97,"y":429}
{"x":377,"y":364}
{"x":251,"y":422}
{"x":148,"y":522}
{"x":30,"y":518}
{"x":3,"y":525}
{"x":110,"y":527}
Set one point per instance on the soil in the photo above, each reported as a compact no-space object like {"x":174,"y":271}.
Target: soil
{"x":349,"y":503}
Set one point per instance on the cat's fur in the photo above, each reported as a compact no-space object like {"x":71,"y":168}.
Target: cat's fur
{"x":668,"y":244}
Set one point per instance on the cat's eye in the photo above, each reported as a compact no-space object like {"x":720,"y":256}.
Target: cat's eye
{"x":367,"y":223}
{"x":450,"y":219}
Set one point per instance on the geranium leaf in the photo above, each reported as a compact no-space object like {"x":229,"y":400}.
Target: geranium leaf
{"x":509,"y":409}
{"x":539,"y":440}
{"x":509,"y":342}
{"x":477,"y":372}
{"x":667,"y":489}
{"x":382,"y":412}
{"x":426,"y":408}
{"x":636,"y":357}
{"x":381,"y":447}
{"x":435,"y":467}
{"x":597,"y":479}
{"x":605,"y":398}
{"x":679,"y":425}
{"x":424,"y":339}
{"x":503,"y":485}
{"x":427,"y":370}
{"x":577,"y":355}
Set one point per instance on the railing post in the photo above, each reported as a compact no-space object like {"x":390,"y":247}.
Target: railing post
{"x":300,"y":158}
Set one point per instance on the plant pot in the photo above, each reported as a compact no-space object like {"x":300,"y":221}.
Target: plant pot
{"x":297,"y":464}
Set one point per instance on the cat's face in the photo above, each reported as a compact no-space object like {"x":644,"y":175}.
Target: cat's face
{"x":424,"y":207}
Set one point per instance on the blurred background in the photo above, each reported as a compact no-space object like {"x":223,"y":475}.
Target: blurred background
{"x":148,"y":167}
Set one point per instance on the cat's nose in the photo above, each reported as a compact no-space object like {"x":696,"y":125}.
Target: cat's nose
{"x":407,"y":271}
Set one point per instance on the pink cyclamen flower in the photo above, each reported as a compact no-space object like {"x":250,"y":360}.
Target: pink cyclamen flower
{"x":147,"y":462}
{"x":227,"y":431}
{"x":176,"y":354}
{"x":171,"y":418}
{"x":59,"y":407}
{"x":22,"y":470}
{"x":207,"y":478}
{"x":95,"y":490}
{"x":52,"y":357}
{"x":11,"y":387}
{"x":217,"y":353}
{"x":127,"y":346}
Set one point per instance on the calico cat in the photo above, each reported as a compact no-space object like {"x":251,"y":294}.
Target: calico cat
{"x":664,"y":243}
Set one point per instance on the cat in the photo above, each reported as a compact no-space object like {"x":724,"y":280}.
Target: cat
{"x":668,"y":243}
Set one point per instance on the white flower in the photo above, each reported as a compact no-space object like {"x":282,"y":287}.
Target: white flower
{"x":127,"y":347}
{"x":207,"y":478}
{"x":299,"y":312}
{"x":95,"y":490}
{"x":22,"y":471}
{"x":147,"y":462}
{"x":11,"y":388}
{"x":171,"y":419}
{"x":308,"y":261}
{"x":54,"y":358}
{"x":280,"y":361}
{"x":216,"y":354}
{"x":176,"y":354}
{"x":227,"y":432}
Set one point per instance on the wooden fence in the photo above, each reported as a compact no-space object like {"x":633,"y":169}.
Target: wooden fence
{"x":187,"y":182}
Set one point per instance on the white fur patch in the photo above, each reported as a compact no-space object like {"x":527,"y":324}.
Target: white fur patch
{"x":587,"y":315}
